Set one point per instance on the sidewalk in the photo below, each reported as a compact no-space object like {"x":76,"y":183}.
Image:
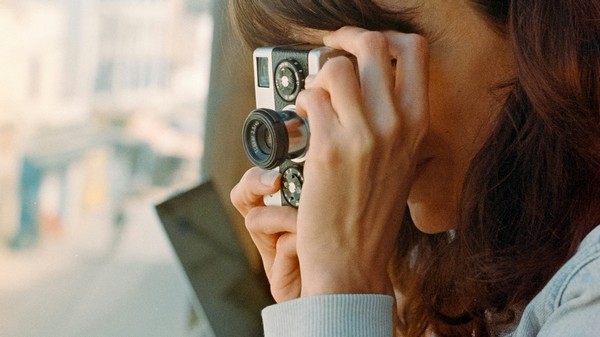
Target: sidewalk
{"x":78,"y":285}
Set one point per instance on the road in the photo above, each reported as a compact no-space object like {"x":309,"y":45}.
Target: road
{"x":94,"y":280}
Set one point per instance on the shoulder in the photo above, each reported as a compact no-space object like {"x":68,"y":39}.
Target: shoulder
{"x":577,"y":277}
{"x":571,"y":299}
{"x":581,"y":275}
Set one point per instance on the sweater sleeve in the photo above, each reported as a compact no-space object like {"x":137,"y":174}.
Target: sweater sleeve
{"x":331,"y":316}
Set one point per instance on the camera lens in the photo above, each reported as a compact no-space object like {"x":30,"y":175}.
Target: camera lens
{"x":264,"y":139}
{"x":271,"y":137}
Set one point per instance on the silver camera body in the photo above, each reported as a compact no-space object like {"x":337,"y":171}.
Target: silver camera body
{"x":274,"y":136}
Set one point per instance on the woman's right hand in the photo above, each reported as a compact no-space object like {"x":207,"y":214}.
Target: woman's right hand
{"x":365,"y":137}
{"x":273,"y":230}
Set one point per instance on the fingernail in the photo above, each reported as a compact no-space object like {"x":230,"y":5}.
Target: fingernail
{"x":309,"y":79}
{"x":268,"y":178}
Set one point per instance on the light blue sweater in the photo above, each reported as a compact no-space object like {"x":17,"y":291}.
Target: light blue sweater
{"x":569,"y":305}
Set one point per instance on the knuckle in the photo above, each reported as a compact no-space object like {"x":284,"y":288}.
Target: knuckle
{"x":363,"y":146}
{"x":373,"y":41}
{"x":303,"y":99}
{"x":252,"y":220}
{"x":336,"y":65}
{"x":326,"y":154}
{"x":286,"y":245}
{"x":281,"y":244}
{"x":319,"y":99}
{"x":312,"y":98}
{"x":234,"y":196}
{"x":249,"y":176}
{"x":391,"y":129}
{"x":346,"y":29}
{"x":417,"y":42}
{"x":239,"y":194}
{"x":359,"y":144}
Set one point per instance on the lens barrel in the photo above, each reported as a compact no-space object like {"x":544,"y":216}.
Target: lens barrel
{"x":270,"y":137}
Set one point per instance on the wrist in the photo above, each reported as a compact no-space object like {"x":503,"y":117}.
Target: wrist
{"x":350,"y":280}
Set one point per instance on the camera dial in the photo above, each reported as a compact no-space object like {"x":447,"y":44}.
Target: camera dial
{"x":288,"y":79}
{"x":292,"y":180}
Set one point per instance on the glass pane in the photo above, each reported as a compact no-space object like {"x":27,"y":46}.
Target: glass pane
{"x":101,"y":111}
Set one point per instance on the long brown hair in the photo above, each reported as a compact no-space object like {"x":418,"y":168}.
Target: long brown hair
{"x":532,"y":192}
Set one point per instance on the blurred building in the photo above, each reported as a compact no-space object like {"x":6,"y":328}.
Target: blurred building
{"x":115,"y":83}
{"x":31,"y":61}
{"x":152,"y":53}
{"x":101,"y":107}
{"x":31,"y":64}
{"x":151,"y":75}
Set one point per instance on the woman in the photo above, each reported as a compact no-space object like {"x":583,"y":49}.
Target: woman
{"x":484,"y":118}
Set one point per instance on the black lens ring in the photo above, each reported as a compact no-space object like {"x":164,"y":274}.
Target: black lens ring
{"x":275,"y":126}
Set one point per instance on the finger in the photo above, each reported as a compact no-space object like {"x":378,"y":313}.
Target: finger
{"x":374,"y":67}
{"x":371,"y":51}
{"x":338,"y":78}
{"x":314,"y":104}
{"x":411,"y":85}
{"x":285,"y":272}
{"x":254,"y":185}
{"x":265,"y":225}
{"x":286,"y":246}
{"x":271,"y":220}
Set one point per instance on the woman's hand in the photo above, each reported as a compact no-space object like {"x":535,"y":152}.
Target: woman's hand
{"x":273,"y":230}
{"x":365,"y":135}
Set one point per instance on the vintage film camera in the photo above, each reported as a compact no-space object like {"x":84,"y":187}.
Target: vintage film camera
{"x":274,"y":136}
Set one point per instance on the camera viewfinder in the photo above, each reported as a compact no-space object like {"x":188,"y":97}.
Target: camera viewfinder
{"x":262,"y":69}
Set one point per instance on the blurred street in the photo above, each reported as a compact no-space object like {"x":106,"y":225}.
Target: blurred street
{"x":98,"y":281}
{"x":101,"y":117}
{"x":102,"y":105}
